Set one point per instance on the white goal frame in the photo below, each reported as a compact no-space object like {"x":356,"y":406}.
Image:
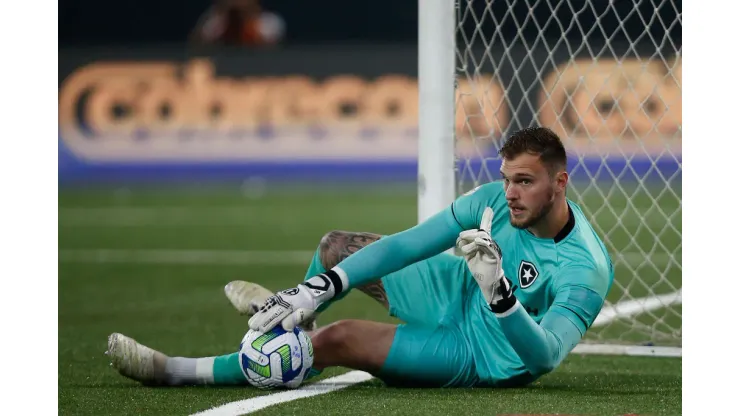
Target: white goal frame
{"x":437,"y":158}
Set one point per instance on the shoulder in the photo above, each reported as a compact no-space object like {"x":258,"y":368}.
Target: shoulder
{"x":583,"y":258}
{"x":469,"y":207}
{"x":489,"y":195}
{"x":584,"y":243}
{"x":490,"y":189}
{"x":585,"y":271}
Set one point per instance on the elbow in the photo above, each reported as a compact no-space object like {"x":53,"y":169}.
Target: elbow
{"x":542,"y":367}
{"x":547,"y":359}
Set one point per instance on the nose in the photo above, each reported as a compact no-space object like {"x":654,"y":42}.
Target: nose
{"x":511,"y":193}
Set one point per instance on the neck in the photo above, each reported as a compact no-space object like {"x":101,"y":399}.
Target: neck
{"x":555,"y":220}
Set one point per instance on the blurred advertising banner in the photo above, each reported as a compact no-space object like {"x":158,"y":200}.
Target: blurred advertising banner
{"x":336,"y":110}
{"x":138,"y":111}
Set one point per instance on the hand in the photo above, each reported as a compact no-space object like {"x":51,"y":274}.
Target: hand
{"x":295,"y":306}
{"x":484,"y":259}
{"x":467,"y":243}
{"x":482,"y":255}
{"x":503,"y":297}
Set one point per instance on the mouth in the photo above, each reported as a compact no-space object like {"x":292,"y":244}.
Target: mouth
{"x":516,"y":210}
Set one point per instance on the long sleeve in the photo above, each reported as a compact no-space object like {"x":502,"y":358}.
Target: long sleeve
{"x":542,"y":347}
{"x":435,"y":235}
{"x":397,"y":251}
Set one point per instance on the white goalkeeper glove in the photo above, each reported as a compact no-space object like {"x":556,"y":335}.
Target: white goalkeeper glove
{"x":484,"y":260}
{"x":298,"y":305}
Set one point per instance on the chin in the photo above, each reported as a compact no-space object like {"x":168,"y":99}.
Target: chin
{"x":518,"y":223}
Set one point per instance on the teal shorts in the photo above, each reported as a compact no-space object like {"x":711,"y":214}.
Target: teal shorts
{"x":431,"y":348}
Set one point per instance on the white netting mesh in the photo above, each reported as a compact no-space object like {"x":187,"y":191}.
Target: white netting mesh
{"x":606,"y":76}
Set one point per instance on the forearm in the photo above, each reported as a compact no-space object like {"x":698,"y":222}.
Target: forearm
{"x":397,"y":251}
{"x":540,"y":347}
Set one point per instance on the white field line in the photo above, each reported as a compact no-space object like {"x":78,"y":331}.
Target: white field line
{"x":267,"y":257}
{"x":632,"y":350}
{"x":254,"y":404}
{"x":636,"y":306}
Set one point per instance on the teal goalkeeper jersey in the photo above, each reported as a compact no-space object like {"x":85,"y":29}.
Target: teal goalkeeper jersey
{"x":572,"y":271}
{"x":539,"y":266}
{"x":560,"y":283}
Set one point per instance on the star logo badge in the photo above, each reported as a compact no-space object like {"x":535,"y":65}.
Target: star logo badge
{"x":527,"y":274}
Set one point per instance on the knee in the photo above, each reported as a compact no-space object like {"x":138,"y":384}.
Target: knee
{"x":328,"y":248}
{"x":336,"y":246}
{"x":334,"y":336}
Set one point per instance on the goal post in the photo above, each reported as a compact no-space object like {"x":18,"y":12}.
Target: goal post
{"x":436,"y":178}
{"x":606,"y":76}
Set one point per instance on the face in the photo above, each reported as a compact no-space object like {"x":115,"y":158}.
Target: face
{"x":530,"y":190}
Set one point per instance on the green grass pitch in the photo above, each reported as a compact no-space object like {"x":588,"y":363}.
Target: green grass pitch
{"x":176,"y":304}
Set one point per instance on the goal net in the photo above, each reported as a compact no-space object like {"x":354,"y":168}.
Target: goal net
{"x":606,"y":76}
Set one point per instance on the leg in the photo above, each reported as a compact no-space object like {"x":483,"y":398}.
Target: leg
{"x":405,"y":355}
{"x":151,"y":367}
{"x":362,"y":345}
{"x":402,"y":355}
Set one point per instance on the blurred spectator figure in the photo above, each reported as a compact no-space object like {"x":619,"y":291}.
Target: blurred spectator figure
{"x":238,"y":22}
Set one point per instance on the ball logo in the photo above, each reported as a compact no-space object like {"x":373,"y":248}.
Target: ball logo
{"x":290,"y":292}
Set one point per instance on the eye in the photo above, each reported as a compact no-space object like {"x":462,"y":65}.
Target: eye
{"x":525,"y":182}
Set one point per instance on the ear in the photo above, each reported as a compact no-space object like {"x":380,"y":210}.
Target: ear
{"x":561,"y":180}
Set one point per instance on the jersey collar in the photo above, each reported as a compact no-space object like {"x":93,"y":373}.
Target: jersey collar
{"x":567,"y":228}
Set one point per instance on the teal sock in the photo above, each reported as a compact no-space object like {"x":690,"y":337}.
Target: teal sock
{"x":221,"y":370}
{"x":227,"y":370}
{"x":313,"y":373}
{"x":317,"y":268}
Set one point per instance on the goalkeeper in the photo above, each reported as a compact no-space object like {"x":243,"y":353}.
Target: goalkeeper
{"x":531,"y":281}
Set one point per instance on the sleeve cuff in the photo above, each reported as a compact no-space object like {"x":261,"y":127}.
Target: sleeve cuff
{"x":509,"y":311}
{"x":343,"y":277}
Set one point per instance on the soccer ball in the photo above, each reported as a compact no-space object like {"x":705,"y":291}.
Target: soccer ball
{"x":277,"y":358}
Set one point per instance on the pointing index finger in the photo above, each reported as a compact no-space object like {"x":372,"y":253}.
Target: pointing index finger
{"x":486,"y":220}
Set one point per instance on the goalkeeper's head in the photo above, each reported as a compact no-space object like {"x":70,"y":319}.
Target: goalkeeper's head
{"x":535,"y":178}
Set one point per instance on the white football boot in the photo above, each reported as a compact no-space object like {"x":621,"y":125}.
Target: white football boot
{"x":136,"y":361}
{"x":247,"y":298}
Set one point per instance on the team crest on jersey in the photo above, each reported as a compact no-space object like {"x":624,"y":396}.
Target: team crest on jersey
{"x":527,"y":274}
